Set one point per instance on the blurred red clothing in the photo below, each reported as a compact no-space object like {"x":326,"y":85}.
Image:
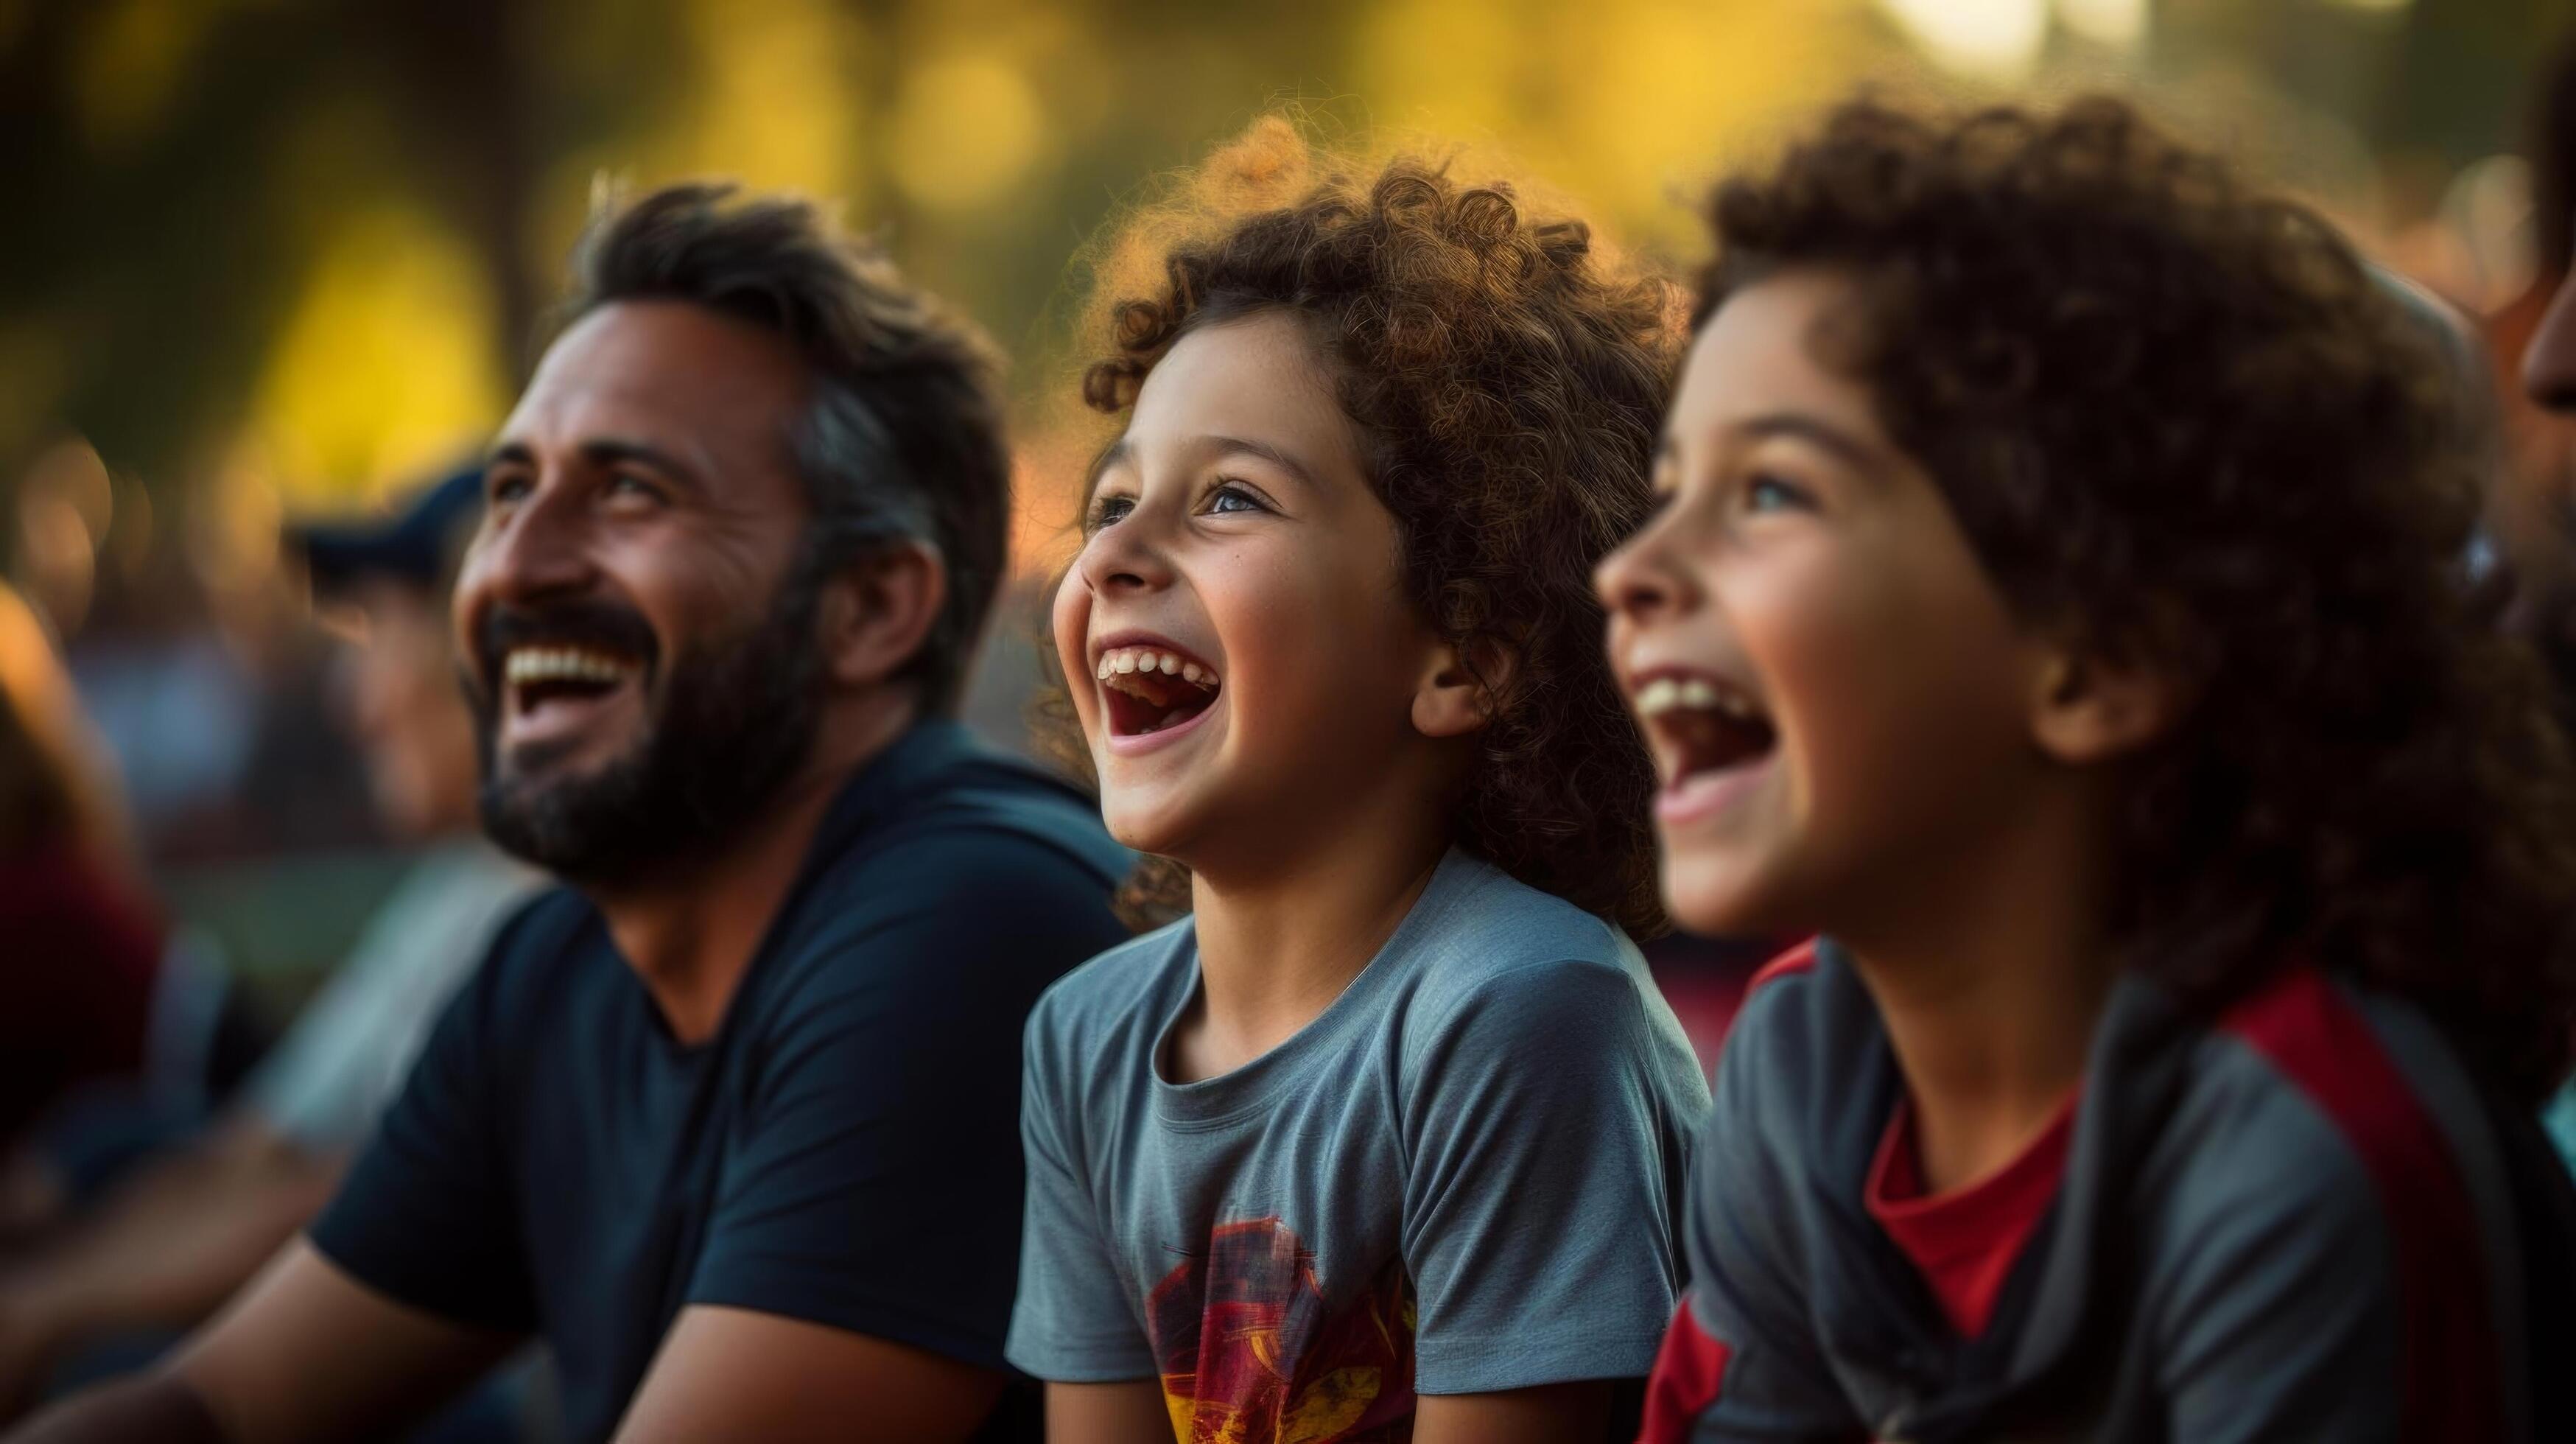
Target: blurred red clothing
{"x":79,"y":955}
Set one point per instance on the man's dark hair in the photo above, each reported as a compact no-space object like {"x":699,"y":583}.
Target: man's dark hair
{"x":901,"y":438}
{"x":2181,"y":423}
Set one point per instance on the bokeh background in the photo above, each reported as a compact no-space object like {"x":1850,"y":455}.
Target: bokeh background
{"x":270,"y":258}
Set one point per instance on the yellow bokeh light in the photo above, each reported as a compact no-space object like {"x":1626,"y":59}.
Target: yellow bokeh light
{"x":964,"y":130}
{"x":1998,"y":39}
{"x":386,"y":367}
{"x":781,"y":106}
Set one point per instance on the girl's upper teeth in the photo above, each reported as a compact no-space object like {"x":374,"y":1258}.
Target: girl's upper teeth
{"x":1697,"y":694}
{"x":1148,"y":659}
{"x":549,"y":664}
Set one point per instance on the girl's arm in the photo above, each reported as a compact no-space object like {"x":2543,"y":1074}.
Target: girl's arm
{"x":1576,"y":1413}
{"x":1121,"y":1413}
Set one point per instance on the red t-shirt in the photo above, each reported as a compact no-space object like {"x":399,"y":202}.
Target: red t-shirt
{"x":76,"y":979}
{"x":1965,"y":1241}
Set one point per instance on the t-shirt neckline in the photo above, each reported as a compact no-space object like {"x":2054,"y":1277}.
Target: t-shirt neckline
{"x":1240,"y":1092}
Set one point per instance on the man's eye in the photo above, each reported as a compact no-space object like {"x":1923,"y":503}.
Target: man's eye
{"x":628,"y":484}
{"x":509,"y":488}
{"x":1232,"y":499}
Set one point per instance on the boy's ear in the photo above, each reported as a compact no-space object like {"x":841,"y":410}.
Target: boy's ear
{"x":1455,"y":699}
{"x":877,"y":610}
{"x":2088,"y":707}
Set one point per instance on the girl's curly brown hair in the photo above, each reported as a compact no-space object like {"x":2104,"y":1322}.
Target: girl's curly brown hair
{"x":2182,"y":421}
{"x":1506,"y":376}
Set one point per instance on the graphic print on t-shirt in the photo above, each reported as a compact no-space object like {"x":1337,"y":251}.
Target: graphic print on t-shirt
{"x":1249,"y":1355}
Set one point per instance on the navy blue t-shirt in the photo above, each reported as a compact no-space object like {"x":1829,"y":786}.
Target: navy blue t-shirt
{"x":845,"y":1149}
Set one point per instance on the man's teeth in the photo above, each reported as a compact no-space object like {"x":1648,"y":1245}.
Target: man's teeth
{"x":1693,"y":694}
{"x":1147,"y":659}
{"x":563,"y":664}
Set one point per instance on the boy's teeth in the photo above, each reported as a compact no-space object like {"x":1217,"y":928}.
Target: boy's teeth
{"x":1696,"y":694}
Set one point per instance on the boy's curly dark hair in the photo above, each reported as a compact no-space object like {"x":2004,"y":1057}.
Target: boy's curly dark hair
{"x":1507,"y":377}
{"x":2181,"y":420}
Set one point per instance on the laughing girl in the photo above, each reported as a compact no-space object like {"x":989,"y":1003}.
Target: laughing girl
{"x":1383,"y":1141}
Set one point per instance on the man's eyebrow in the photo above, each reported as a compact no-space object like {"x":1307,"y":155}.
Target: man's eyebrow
{"x":610,"y":450}
{"x":516,"y":453}
{"x":1854,"y":451}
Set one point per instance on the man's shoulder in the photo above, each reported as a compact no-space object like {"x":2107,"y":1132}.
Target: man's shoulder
{"x":969,"y":789}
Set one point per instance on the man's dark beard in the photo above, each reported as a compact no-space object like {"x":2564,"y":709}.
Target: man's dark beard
{"x":737,"y":718}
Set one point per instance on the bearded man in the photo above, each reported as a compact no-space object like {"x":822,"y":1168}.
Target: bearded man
{"x":729,"y":1120}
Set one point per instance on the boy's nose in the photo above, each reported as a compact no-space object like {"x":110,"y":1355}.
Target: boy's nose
{"x":1634,"y":581}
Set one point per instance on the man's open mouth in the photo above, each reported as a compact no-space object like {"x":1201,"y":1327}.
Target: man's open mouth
{"x":1702,"y":724}
{"x":1148,"y":689}
{"x":541,"y":679}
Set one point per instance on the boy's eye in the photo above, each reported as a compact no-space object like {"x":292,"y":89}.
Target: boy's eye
{"x":1769,"y":493}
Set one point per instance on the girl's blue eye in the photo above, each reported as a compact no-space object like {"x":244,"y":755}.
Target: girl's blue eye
{"x":1241,"y":501}
{"x":1109,"y":509}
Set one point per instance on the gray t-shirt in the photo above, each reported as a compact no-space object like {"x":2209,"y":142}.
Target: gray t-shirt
{"x":1463,"y":1176}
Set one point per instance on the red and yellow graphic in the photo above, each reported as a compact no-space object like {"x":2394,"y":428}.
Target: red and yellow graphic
{"x":1249,"y":1356}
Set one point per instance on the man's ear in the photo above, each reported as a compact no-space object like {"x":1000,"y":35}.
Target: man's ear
{"x":1455,"y":699}
{"x":2088,"y":707}
{"x":877,"y":610}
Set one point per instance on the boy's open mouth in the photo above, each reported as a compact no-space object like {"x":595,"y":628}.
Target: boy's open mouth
{"x":1702,"y":725}
{"x":1150,"y":688}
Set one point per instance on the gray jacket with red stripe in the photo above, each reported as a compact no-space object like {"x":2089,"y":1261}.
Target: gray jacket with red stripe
{"x":2300,"y":1219}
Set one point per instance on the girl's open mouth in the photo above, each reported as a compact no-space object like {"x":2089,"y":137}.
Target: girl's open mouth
{"x":1153,"y":689}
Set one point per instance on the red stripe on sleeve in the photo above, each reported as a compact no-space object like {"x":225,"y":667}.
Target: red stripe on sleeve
{"x":2315,"y":1036}
{"x":1688,"y":1371}
{"x":1796,"y":960}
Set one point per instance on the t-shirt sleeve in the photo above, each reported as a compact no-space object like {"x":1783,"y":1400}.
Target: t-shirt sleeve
{"x":877,"y":1185}
{"x":2276,"y":1315}
{"x":1741,"y":1360}
{"x":1538,"y":1204}
{"x":1076,"y":1319}
{"x":427,"y":1213}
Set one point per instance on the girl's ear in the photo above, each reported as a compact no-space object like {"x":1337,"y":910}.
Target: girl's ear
{"x":1455,"y":699}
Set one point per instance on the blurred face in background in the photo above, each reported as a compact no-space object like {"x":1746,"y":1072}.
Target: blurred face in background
{"x":395,"y":686}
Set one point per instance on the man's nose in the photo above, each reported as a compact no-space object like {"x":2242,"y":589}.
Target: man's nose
{"x":538,"y":548}
{"x":2549,"y":362}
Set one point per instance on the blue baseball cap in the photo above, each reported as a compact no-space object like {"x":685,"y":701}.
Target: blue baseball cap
{"x":416,"y":545}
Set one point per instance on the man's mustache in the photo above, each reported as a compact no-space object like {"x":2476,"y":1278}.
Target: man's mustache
{"x":594,"y":625}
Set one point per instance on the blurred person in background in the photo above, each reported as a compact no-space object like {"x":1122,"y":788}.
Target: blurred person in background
{"x":177,"y":1237}
{"x":731,"y":1121}
{"x":84,"y":949}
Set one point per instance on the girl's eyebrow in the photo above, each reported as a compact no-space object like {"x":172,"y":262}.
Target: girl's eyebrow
{"x":1237,"y":446}
{"x":1116,"y":454}
{"x":1119,"y":454}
